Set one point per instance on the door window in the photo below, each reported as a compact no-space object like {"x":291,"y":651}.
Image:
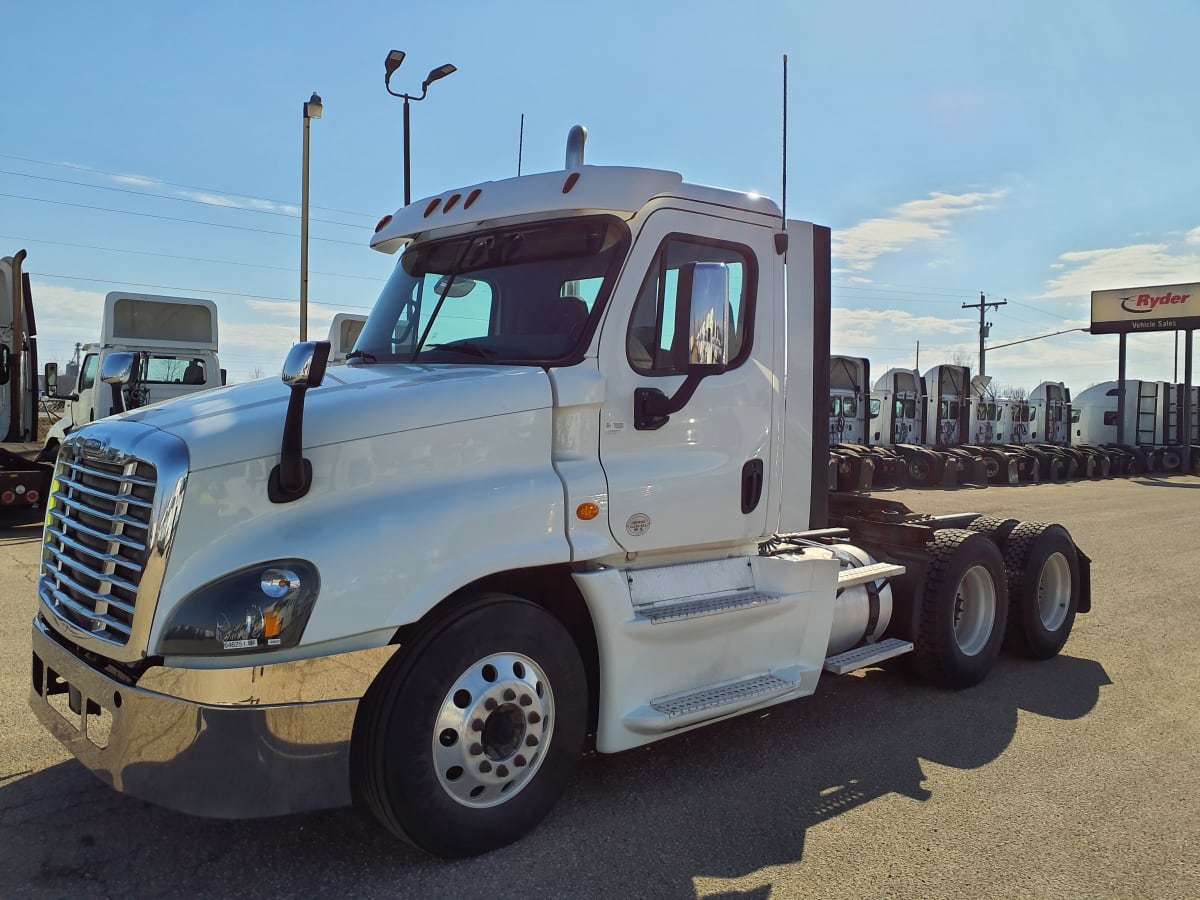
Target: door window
{"x":87,"y":374}
{"x":654,"y":335}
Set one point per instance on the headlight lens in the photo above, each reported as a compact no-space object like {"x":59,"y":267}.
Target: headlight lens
{"x":261,"y":607}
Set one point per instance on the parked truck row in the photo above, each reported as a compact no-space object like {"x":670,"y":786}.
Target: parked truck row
{"x":569,"y":491}
{"x":945,"y":428}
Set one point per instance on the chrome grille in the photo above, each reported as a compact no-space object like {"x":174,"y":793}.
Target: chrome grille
{"x":97,"y":540}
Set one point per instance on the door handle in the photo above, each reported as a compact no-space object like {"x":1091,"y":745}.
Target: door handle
{"x":752,"y":485}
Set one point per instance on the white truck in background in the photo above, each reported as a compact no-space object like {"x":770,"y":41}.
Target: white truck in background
{"x":343,"y":332}
{"x":569,"y":491}
{"x":175,"y":341}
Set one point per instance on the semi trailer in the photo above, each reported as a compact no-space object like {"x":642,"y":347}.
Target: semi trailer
{"x":24,"y":478}
{"x":569,"y":492}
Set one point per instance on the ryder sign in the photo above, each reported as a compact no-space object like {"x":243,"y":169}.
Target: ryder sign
{"x":1164,"y":308}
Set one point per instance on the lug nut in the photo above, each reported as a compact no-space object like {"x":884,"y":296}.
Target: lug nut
{"x":534,"y":718}
{"x":519,"y":761}
{"x":526,"y":700}
{"x":510,"y":694}
{"x":477,"y":724}
{"x":490,"y":704}
{"x":502,"y":771}
{"x":485,"y":767}
{"x":476,"y":749}
{"x":531,"y":740}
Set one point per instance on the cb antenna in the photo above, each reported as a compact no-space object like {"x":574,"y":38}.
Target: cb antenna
{"x":784,"y":202}
{"x":520,"y":145}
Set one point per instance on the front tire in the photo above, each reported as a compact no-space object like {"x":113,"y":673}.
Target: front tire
{"x":470,"y":734}
{"x":964,"y":609}
{"x":1043,"y":589}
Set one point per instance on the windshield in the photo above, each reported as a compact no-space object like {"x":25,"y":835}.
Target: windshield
{"x":525,"y":295}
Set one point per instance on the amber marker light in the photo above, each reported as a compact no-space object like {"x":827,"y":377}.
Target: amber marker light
{"x":587,"y":511}
{"x":383,"y":223}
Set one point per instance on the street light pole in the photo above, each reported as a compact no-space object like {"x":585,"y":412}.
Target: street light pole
{"x":390,"y":65}
{"x":312,"y":110}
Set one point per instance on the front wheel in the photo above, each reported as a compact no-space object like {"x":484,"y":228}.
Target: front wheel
{"x":1043,"y":588}
{"x":466,"y":740}
{"x":963,"y":611}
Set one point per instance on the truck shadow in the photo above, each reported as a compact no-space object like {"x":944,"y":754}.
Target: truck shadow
{"x":1163,"y":482}
{"x":721,"y":802}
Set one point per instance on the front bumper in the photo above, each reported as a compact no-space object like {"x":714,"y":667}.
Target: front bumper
{"x":230,"y":743}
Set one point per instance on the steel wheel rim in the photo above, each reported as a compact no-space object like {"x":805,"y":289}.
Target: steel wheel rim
{"x":493,"y":729}
{"x":974,"y":610}
{"x":1054,"y":591}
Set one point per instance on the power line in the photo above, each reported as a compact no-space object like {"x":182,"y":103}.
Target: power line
{"x":190,"y":290}
{"x":128,"y":212}
{"x":250,"y":209}
{"x":225,"y":262}
{"x":190,"y":187}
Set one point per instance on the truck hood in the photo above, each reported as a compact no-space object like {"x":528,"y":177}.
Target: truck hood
{"x":245,"y":421}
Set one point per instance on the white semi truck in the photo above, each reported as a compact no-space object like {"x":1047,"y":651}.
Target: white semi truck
{"x":568,"y":492}
{"x":175,"y":340}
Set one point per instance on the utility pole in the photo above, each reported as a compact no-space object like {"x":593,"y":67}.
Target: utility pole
{"x":983,"y":306}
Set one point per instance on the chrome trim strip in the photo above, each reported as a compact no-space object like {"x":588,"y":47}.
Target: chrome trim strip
{"x":62,"y":578}
{"x":117,"y":442}
{"x":78,"y":567}
{"x":98,"y":473}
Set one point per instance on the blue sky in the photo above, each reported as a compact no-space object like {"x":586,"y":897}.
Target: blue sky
{"x":1031,"y":151}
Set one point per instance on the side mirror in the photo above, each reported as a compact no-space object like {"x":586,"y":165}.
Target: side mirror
{"x":701,"y":344}
{"x":305,"y":365}
{"x":304,"y":368}
{"x":4,"y":364}
{"x":118,"y":368}
{"x":51,"y":379}
{"x":704,"y":299}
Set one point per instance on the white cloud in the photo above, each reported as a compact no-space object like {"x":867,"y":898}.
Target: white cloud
{"x":135,"y":180}
{"x":918,"y":221}
{"x":229,"y":202}
{"x":1119,"y":267}
{"x":1193,"y":236}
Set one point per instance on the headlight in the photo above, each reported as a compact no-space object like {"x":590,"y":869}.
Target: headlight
{"x":262,"y":607}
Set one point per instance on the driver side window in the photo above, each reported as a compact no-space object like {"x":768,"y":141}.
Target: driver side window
{"x":652,"y":328}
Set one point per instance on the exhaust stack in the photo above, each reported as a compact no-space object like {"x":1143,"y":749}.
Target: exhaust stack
{"x":575,"y":141}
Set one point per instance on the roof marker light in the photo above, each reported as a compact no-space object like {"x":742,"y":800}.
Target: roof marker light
{"x":570,"y":182}
{"x":472,"y":197}
{"x":450,"y":203}
{"x":383,"y":223}
{"x":433,"y":204}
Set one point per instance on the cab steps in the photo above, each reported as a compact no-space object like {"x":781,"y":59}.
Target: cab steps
{"x":713,"y":701}
{"x":866,"y":655}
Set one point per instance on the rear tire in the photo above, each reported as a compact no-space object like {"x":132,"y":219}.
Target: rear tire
{"x":998,"y":528}
{"x":1043,"y":589}
{"x":469,"y":735}
{"x":963,"y":610}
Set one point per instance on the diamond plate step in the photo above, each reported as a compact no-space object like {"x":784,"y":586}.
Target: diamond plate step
{"x":713,"y":701}
{"x":863,"y":574}
{"x":867,"y":655}
{"x":694,"y":607}
{"x":720,"y":695}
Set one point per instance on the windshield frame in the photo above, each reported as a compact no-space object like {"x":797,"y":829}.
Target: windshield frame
{"x":387,"y":306}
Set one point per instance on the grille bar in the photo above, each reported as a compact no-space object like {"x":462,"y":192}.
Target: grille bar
{"x":81,"y":592}
{"x":106,"y":495}
{"x":95,"y":472}
{"x":78,"y":547}
{"x":80,"y":569}
{"x":99,"y":535}
{"x":61,"y":599}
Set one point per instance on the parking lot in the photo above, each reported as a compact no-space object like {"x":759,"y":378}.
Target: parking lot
{"x":1072,"y":777}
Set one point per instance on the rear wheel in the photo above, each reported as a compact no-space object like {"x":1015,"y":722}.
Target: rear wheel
{"x":468,"y":737}
{"x":997,"y":527}
{"x":963,"y":609}
{"x":1043,"y":589}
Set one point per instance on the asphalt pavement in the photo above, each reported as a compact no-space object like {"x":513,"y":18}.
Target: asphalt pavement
{"x":1075,"y":777}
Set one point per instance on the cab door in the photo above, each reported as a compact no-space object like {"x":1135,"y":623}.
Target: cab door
{"x":701,"y":476}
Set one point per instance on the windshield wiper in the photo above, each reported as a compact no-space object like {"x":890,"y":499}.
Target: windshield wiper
{"x":469,"y":347}
{"x":361,"y":354}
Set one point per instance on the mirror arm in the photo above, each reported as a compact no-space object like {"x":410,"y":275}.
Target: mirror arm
{"x":292,"y":477}
{"x":652,"y":409}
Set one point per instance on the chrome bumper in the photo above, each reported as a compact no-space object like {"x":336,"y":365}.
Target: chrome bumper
{"x":216,"y":745}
